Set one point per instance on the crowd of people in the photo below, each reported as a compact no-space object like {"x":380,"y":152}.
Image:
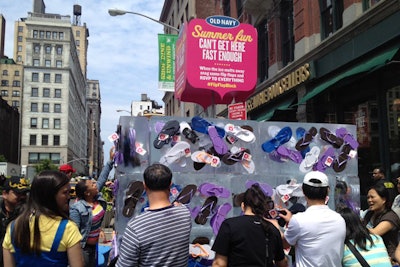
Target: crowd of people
{"x":39,"y":226}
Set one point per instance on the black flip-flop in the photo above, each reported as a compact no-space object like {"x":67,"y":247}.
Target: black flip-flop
{"x":135,"y":191}
{"x":170,"y":129}
{"x":208,"y":207}
{"x":186,"y":194}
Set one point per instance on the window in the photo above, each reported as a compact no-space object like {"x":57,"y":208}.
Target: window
{"x":5,"y":72}
{"x":32,"y":139}
{"x":35,"y":77}
{"x":35,"y":34}
{"x":58,"y":78}
{"x":57,"y":108}
{"x":46,"y":92}
{"x":46,"y":107}
{"x":56,"y":140}
{"x":48,"y":35}
{"x":57,"y":124}
{"x":57,"y":93}
{"x":20,"y":28}
{"x":15,"y":103}
{"x":36,"y":48}
{"x":36,"y":62}
{"x":61,"y":35}
{"x":47,"y":63}
{"x":4,"y":93}
{"x":59,"y":49}
{"x":45,"y":140}
{"x":46,"y":77}
{"x":47,"y":49}
{"x":54,"y":35}
{"x":331,"y":16}
{"x":58,"y":63}
{"x":41,"y":34}
{"x":16,"y":93}
{"x":287,"y":35}
{"x":19,"y":38}
{"x":17,"y":83}
{"x":77,"y":42}
{"x":4,"y":82}
{"x":33,"y":158}
{"x":78,"y":33}
{"x":45,"y":123}
{"x":19,"y":48}
{"x":35,"y":92}
{"x":19,"y":59}
{"x":34,"y":107}
{"x":33,"y":122}
{"x":16,"y":73}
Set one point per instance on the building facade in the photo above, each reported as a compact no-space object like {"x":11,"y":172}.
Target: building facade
{"x":325,"y":62}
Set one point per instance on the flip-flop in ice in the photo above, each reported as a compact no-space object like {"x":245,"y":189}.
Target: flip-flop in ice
{"x":210,"y":189}
{"x":248,"y":165}
{"x":347,"y":137}
{"x":175,"y":153}
{"x":240,"y":133}
{"x":326,"y":160}
{"x":275,"y":156}
{"x":281,"y":137}
{"x":310,"y":159}
{"x":219,"y":216}
{"x":206,"y":210}
{"x":132,"y":196}
{"x":231,"y":158}
{"x":201,"y":251}
{"x":273,"y":130}
{"x":329,"y":137}
{"x":300,"y":132}
{"x":170,"y":129}
{"x":219,"y":145}
{"x":187,"y":193}
{"x":305,"y":141}
{"x":293,"y":155}
{"x":204,"y":157}
{"x":339,"y":164}
{"x":266,"y":188}
{"x":201,"y":125}
{"x":187,"y":132}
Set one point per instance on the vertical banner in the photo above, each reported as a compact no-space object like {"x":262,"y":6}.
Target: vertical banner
{"x":166,"y":51}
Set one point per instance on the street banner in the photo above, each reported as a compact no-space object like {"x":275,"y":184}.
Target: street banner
{"x":166,"y":73}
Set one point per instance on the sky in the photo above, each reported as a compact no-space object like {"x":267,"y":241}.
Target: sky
{"x":122,"y":53}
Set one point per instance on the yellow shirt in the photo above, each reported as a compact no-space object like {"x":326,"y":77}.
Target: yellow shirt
{"x":48,"y":228}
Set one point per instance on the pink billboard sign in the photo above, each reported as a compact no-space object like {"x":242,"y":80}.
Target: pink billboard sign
{"x":216,"y":61}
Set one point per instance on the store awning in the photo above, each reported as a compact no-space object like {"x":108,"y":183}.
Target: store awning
{"x":284,"y":105}
{"x":368,"y":65}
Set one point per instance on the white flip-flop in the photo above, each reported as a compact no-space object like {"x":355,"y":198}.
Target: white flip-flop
{"x":176,"y":153}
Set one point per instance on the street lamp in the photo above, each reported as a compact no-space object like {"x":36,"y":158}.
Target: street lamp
{"x":124,"y":110}
{"x":118,"y":12}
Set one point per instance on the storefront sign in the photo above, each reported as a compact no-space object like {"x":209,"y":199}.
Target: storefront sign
{"x":286,"y":83}
{"x":237,"y":111}
{"x":216,"y":61}
{"x":362,"y":123}
{"x":166,"y":73}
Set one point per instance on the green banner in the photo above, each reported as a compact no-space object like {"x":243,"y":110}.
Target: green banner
{"x":166,"y":73}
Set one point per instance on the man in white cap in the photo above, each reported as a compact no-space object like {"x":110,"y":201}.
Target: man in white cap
{"x":318,"y":233}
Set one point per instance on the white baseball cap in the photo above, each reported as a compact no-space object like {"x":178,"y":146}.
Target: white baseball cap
{"x":320,"y":177}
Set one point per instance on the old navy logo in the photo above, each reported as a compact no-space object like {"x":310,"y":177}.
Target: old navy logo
{"x":222,"y":21}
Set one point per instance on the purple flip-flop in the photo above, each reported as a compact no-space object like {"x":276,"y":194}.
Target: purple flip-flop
{"x":347,"y":137}
{"x":325,"y":161}
{"x":220,"y":215}
{"x":266,"y":188}
{"x":209,"y":189}
{"x":219,"y":145}
{"x":293,"y":155}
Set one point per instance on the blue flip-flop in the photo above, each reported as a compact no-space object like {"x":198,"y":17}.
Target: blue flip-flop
{"x":282,"y":137}
{"x":201,"y":125}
